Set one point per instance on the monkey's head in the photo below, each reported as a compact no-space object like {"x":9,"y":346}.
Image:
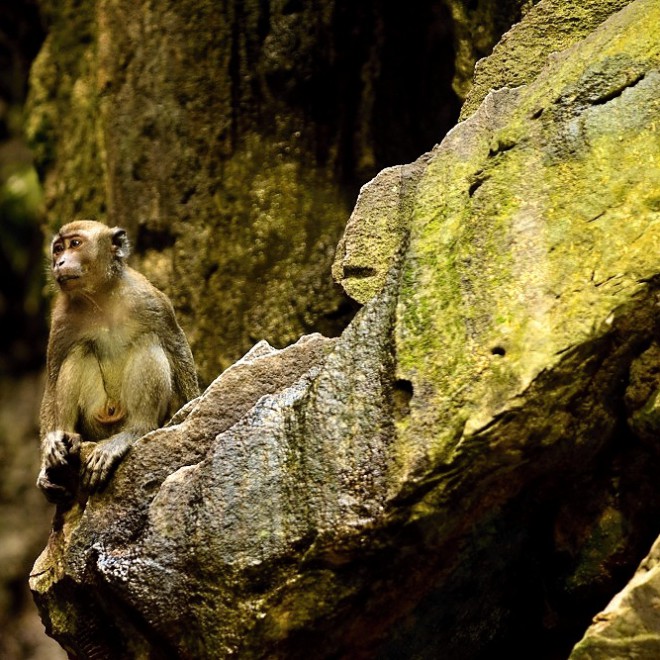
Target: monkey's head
{"x":87,"y":256}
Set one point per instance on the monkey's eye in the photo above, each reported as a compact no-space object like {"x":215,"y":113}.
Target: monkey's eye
{"x":57,"y":248}
{"x":75,"y":242}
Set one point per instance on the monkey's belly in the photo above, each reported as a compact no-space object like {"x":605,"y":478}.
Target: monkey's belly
{"x":115,"y":387}
{"x":101,"y":412}
{"x":101,"y":421}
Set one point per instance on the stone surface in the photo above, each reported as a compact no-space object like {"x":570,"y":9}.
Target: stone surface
{"x":629,"y":627}
{"x":376,"y":231}
{"x":552,"y":26}
{"x":456,"y":473}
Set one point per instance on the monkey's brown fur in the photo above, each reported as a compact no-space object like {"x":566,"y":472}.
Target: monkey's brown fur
{"x":118,"y":363}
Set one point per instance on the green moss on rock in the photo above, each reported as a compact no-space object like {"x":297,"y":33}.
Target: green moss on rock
{"x":531,"y":229}
{"x":552,"y":26}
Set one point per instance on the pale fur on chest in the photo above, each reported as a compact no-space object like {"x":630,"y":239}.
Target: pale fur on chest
{"x":97,"y":369}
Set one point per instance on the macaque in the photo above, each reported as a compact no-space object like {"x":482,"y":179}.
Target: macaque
{"x":118,"y":363}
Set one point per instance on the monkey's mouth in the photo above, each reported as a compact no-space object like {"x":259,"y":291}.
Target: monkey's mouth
{"x":63,"y":279}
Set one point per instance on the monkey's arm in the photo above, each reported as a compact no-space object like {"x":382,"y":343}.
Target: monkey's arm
{"x":60,"y":444}
{"x":146,"y":390}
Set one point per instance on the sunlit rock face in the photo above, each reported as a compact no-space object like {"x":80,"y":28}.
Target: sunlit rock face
{"x":470,"y":468}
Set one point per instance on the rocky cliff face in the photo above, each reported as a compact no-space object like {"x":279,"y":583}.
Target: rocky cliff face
{"x":470,"y":468}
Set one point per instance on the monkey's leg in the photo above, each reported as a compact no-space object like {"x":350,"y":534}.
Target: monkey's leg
{"x":146,"y":390}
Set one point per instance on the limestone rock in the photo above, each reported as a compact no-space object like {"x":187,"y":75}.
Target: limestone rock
{"x":376,"y":231}
{"x":455,"y":474}
{"x":552,"y":26}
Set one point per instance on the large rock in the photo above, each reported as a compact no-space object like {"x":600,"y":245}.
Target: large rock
{"x":456,"y":473}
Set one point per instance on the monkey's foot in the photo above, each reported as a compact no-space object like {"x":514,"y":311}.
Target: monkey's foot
{"x":103,"y":459}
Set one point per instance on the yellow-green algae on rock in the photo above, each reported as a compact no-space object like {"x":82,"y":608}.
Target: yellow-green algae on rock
{"x":376,"y":231}
{"x":549,"y":27}
{"x":534,"y":222}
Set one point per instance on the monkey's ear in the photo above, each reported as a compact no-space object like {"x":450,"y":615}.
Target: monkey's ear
{"x":120,"y":243}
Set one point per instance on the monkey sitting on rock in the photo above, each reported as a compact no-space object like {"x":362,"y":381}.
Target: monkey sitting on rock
{"x":118,"y":363}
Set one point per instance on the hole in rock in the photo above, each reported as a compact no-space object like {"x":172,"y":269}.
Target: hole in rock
{"x":402,"y":393}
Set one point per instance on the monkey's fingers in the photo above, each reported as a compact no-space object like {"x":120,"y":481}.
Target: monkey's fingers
{"x":60,"y":446}
{"x":88,"y":479}
{"x":73,"y":441}
{"x":88,"y":470}
{"x":54,"y":457}
{"x":56,"y":452}
{"x":98,"y":469}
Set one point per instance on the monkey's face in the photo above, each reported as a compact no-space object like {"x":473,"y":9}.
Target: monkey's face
{"x":87,"y":256}
{"x":72,"y":254}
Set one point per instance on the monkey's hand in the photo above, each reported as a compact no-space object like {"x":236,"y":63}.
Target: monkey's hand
{"x":59,"y":447}
{"x":103,"y":459}
{"x":59,"y":466}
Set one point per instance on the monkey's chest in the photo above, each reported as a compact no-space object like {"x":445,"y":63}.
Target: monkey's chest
{"x":111,"y":352}
{"x":102,"y":398}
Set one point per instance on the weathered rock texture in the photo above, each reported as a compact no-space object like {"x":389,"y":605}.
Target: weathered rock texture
{"x":552,"y":26}
{"x":471,"y":468}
